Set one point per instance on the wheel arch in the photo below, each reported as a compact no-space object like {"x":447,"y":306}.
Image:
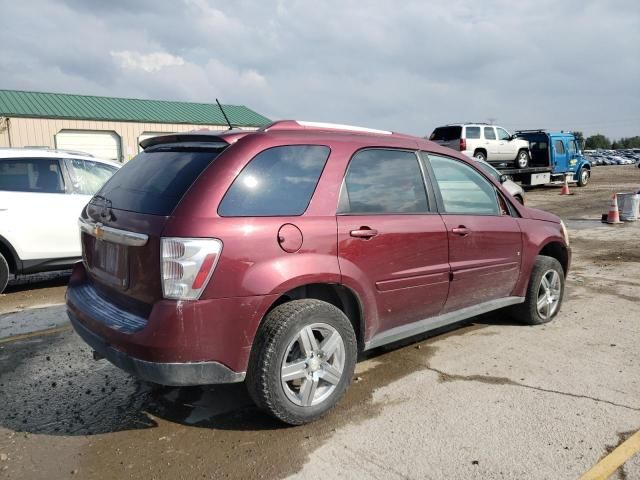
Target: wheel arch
{"x":481,"y":149}
{"x":336,"y":294}
{"x":9,"y":253}
{"x":557,"y":250}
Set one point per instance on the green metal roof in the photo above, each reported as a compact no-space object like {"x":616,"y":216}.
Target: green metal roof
{"x":16,"y":103}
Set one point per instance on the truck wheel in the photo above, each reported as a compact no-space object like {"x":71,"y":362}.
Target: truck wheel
{"x":583,"y":177}
{"x":544,"y":293}
{"x":479,"y":155}
{"x":302,"y":360}
{"x":4,"y":273}
{"x":522,"y":160}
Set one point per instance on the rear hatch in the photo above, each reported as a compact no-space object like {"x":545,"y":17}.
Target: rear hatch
{"x":448,"y":136}
{"x":122,"y":224}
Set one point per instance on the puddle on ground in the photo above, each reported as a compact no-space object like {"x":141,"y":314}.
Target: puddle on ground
{"x":54,"y":392}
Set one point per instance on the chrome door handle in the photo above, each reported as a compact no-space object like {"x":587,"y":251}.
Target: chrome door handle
{"x":461,"y":230}
{"x":363,"y":232}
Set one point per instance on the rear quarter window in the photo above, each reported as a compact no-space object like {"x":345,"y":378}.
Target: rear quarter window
{"x":473,"y":132}
{"x":277,"y":182}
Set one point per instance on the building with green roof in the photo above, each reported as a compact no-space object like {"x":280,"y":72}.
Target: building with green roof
{"x":107,"y":127}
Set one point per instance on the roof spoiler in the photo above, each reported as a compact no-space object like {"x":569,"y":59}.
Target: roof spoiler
{"x":199,"y":136}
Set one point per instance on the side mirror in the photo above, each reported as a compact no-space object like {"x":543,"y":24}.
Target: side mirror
{"x":503,"y":178}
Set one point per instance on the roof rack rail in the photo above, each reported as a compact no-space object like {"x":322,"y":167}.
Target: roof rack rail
{"x":69,"y":152}
{"x":305,"y":125}
{"x":532,"y":130}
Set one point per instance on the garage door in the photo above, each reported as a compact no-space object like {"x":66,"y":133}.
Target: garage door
{"x":146,"y":135}
{"x":99,"y":144}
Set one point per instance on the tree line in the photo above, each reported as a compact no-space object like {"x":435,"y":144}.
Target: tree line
{"x":598,"y":140}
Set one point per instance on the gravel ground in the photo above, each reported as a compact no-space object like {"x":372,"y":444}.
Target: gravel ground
{"x":489,"y":399}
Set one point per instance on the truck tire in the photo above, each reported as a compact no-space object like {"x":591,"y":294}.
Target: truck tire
{"x":544,"y":293}
{"x":302,"y":361}
{"x":480,"y":155}
{"x":583,"y":177}
{"x":522,"y":160}
{"x":4,"y":273}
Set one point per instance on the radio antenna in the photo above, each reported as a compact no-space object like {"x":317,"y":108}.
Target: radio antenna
{"x":225,"y":115}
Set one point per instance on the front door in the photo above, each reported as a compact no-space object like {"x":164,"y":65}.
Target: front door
{"x":485,"y":242}
{"x":559,"y":155}
{"x":390,"y":239}
{"x":508,"y":148}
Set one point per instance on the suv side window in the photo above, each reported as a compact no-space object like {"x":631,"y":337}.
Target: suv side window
{"x":88,"y":177}
{"x":383,"y":182}
{"x":559,"y":146}
{"x":36,"y":175}
{"x":489,"y":133}
{"x":473,"y":132}
{"x":502,"y":134}
{"x":464,"y":191}
{"x":277,"y":182}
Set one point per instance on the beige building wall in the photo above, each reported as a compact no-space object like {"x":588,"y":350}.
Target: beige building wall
{"x":31,"y":132}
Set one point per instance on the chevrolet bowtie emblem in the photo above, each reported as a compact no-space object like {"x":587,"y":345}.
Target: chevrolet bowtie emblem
{"x":98,"y":231}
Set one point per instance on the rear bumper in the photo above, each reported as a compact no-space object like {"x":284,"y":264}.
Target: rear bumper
{"x":174,"y":374}
{"x":178,"y":342}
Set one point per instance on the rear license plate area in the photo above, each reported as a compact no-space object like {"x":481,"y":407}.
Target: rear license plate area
{"x":111,"y":263}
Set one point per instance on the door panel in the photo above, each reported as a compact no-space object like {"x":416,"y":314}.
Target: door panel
{"x":389,"y":242}
{"x":485,"y":262}
{"x":508,"y":149}
{"x":559,"y":155}
{"x":491,"y":144}
{"x":406,"y":264}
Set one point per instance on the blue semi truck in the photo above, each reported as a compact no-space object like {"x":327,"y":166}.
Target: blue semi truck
{"x":554,"y":156}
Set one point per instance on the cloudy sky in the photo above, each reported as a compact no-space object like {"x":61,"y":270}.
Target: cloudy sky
{"x":406,"y":66}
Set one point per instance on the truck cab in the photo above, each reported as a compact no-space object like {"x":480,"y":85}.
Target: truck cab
{"x":554,"y":156}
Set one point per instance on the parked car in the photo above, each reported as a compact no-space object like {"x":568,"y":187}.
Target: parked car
{"x":490,"y":143}
{"x":42,"y":192}
{"x":509,"y":185}
{"x":274,"y":257}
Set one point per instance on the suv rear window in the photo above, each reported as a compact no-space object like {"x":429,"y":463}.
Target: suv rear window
{"x":445,"y":134}
{"x":156,"y":179}
{"x":278,"y":182}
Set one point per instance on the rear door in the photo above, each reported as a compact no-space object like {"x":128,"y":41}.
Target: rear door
{"x":491,"y":144}
{"x":559,"y":157}
{"x":391,"y":240}
{"x":138,"y":199}
{"x":485,"y":242}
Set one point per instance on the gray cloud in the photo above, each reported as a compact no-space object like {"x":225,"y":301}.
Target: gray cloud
{"x":407,"y":66}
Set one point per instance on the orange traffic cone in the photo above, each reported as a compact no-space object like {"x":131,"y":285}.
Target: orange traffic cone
{"x":565,"y":187}
{"x":614,"y":214}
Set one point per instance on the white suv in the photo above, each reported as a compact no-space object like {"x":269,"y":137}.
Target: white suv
{"x":42,"y":193}
{"x":490,"y":143}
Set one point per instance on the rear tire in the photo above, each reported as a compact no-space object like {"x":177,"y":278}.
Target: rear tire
{"x":583,"y":177}
{"x":522,"y":160}
{"x":479,"y":155}
{"x":4,"y":273}
{"x":544,"y":293}
{"x":302,"y":361}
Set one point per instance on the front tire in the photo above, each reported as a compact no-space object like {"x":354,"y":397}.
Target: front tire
{"x":544,"y":293}
{"x":4,"y":273}
{"x":522,"y":160}
{"x":302,"y":361}
{"x":583,"y":177}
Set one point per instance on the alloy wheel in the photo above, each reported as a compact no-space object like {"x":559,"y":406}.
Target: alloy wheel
{"x":549,"y":293}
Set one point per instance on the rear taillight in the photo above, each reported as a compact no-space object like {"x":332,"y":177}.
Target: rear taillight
{"x":187,"y":266}
{"x":463,"y":144}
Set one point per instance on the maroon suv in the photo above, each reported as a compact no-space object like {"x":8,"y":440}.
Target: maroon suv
{"x":274,"y":257}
